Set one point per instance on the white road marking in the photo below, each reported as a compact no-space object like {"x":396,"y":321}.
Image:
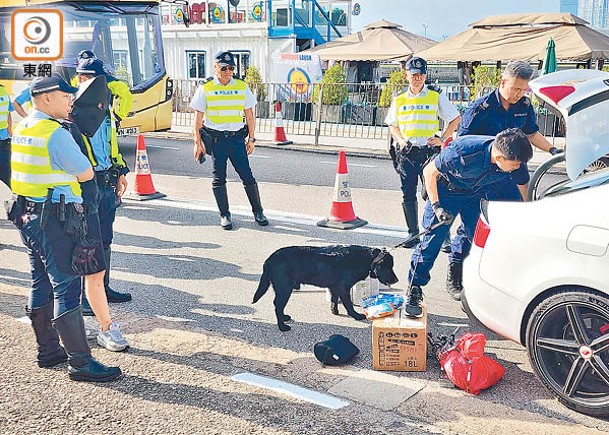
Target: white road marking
{"x":162,"y":147}
{"x":275,"y":216}
{"x":173,"y":319}
{"x":350,"y":165}
{"x":291,"y":390}
{"x":256,"y":156}
{"x":24,"y":319}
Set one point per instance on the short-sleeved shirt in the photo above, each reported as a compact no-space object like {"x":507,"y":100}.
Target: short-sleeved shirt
{"x":24,"y":96}
{"x":65,"y":156}
{"x":199,"y":103}
{"x":466,"y":164}
{"x":486,"y":116}
{"x":100,"y":143}
{"x":4,"y":131}
{"x":446,"y":111}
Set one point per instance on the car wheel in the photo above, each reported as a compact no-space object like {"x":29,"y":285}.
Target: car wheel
{"x":568,"y":345}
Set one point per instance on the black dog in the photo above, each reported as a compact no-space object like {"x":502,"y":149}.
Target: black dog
{"x":337,"y":268}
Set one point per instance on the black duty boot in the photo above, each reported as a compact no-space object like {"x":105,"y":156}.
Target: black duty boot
{"x":111,"y":295}
{"x":413,"y":307}
{"x":221,"y":196}
{"x":411,"y":213}
{"x":81,"y":365}
{"x":50,"y":353}
{"x":253,"y":194}
{"x":454,"y":280}
{"x":446,"y":244}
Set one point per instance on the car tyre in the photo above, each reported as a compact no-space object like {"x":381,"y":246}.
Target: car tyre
{"x":567,"y":339}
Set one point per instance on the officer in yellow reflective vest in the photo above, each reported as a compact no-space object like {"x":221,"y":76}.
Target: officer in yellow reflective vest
{"x":6,"y":126}
{"x":122,"y":98}
{"x":225,"y":101}
{"x":110,"y":170}
{"x":413,"y":123}
{"x":46,"y":168}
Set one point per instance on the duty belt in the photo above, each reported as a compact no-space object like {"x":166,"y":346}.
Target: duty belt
{"x":225,"y":133}
{"x":452,"y":187}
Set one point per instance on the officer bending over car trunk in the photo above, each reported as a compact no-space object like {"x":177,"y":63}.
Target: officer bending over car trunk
{"x":456,"y":180}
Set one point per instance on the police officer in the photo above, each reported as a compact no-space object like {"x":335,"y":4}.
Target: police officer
{"x":110,"y":170}
{"x":505,"y":107}
{"x":47,"y":167}
{"x":6,"y":127}
{"x":413,"y":124}
{"x":122,"y":98}
{"x":456,"y":180}
{"x":224,"y":101}
{"x":20,"y":102}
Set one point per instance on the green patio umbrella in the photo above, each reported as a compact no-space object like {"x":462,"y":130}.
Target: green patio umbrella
{"x":549,"y":61}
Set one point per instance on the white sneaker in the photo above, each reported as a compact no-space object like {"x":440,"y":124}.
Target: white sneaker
{"x":92,"y":327}
{"x":112,"y":339}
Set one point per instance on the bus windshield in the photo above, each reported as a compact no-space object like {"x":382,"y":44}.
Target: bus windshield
{"x":125,"y":36}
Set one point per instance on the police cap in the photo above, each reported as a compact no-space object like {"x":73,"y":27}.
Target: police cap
{"x":55,"y":82}
{"x":416,"y":65}
{"x":91,"y":67}
{"x":86,"y":54}
{"x":225,"y":58}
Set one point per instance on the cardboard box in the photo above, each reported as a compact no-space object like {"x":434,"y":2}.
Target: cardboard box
{"x":400,"y":343}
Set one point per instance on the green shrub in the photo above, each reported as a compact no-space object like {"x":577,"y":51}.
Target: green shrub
{"x":255,"y":83}
{"x":122,"y":74}
{"x":335,"y":91}
{"x":485,"y":79}
{"x":397,"y":81}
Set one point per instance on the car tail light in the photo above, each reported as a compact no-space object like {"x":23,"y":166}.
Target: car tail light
{"x":557,"y":93}
{"x":481,"y":234}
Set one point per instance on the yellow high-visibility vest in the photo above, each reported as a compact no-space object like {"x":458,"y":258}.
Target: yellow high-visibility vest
{"x":31,"y":171}
{"x":225,"y":103}
{"x":417,"y":116}
{"x":4,"y":102}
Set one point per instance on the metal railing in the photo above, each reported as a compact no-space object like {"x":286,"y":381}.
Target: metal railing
{"x":352,"y":110}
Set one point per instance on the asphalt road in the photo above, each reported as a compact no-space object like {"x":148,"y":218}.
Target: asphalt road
{"x":272,"y":165}
{"x":194,"y":332}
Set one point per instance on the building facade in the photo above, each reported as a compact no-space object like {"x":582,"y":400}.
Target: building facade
{"x":254,"y":31}
{"x":596,"y":12}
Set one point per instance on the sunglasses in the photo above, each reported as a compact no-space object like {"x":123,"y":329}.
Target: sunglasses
{"x":227,"y":68}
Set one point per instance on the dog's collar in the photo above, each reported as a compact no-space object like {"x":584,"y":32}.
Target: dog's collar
{"x":378,"y":258}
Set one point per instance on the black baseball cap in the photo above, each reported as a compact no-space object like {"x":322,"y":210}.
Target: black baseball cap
{"x":55,"y":82}
{"x":416,"y":65}
{"x":225,"y":58}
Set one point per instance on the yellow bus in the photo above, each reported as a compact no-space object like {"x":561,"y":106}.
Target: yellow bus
{"x":124,"y":34}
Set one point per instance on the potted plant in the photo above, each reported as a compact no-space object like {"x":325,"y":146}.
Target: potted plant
{"x":334,"y":93}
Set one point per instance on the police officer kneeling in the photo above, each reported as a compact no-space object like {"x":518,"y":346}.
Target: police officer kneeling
{"x":224,"y":101}
{"x":47,"y":167}
{"x":459,"y":177}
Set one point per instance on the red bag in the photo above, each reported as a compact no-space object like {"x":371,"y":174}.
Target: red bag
{"x":467,"y":366}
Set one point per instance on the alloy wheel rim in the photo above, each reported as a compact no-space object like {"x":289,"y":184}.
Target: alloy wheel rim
{"x":572,"y":350}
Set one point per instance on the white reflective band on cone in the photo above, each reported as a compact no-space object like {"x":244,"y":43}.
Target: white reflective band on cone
{"x":342,"y":190}
{"x":141,"y":163}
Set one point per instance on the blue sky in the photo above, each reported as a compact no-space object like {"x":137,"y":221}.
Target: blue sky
{"x":443,"y":17}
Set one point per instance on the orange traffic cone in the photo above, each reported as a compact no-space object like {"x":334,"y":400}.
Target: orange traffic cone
{"x":280,"y":138}
{"x":143,"y":188}
{"x":342,"y":216}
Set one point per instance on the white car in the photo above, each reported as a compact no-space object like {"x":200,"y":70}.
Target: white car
{"x":538,"y":272}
